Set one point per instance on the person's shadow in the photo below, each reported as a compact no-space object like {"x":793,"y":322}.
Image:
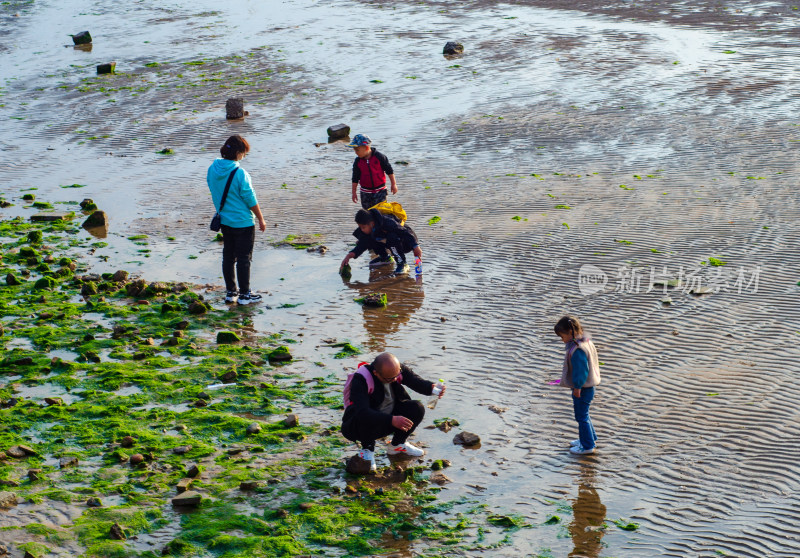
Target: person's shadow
{"x":588,"y":514}
{"x":404,"y":294}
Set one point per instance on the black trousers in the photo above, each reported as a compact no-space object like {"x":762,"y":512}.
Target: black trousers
{"x":370,"y":199}
{"x":237,"y":248}
{"x":361,"y":430}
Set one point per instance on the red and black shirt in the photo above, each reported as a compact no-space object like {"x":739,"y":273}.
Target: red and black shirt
{"x":371,"y":172}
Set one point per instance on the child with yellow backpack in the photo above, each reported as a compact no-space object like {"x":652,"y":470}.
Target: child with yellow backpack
{"x":382,"y":229}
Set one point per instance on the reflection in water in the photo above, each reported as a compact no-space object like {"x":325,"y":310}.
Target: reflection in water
{"x":589,"y":513}
{"x":405,"y":296}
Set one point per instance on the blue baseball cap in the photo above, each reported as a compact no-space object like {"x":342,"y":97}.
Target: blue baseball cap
{"x":359,"y":139}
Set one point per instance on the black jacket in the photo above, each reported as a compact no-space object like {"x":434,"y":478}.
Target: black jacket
{"x":388,"y":232}
{"x":365,"y":405}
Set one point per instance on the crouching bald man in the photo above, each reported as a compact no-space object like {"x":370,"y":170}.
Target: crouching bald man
{"x":376,"y":404}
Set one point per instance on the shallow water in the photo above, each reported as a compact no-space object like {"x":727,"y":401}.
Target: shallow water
{"x":549,"y":105}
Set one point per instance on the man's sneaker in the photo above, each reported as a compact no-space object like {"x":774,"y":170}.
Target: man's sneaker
{"x":249,"y":298}
{"x":380,"y":260}
{"x":574,"y":443}
{"x":580,"y":450}
{"x":401,"y":268}
{"x":231,"y":296}
{"x":368,"y":455}
{"x":406,"y":449}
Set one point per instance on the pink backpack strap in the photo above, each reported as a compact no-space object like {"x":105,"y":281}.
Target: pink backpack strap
{"x":364,"y":372}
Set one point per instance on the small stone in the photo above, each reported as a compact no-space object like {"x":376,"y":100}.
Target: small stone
{"x":439,"y":478}
{"x":338,"y":131}
{"x":235,"y":451}
{"x":120,"y":276}
{"x":34,"y":474}
{"x":305,"y":506}
{"x":254,"y":428}
{"x":171,"y":342}
{"x":453,"y":47}
{"x":107,"y":68}
{"x":12,"y":281}
{"x":291,"y":421}
{"x":181,"y":428}
{"x":281,"y":354}
{"x":25,"y":361}
{"x":8,"y":499}
{"x":127,"y":442}
{"x":350,"y":489}
{"x":94,"y":503}
{"x":82,"y":38}
{"x":467,"y":439}
{"x":181,"y":450}
{"x":249,"y":485}
{"x":177,"y":333}
{"x":117,"y":533}
{"x":15,"y":452}
{"x":193,"y":471}
{"x":150,"y":341}
{"x":440,"y":464}
{"x":137,"y":458}
{"x":200,"y":404}
{"x":96,"y":219}
{"x":234,"y":108}
{"x":357,"y":466}
{"x":52,"y":216}
{"x":54,"y":401}
{"x":188,"y":498}
{"x":228,"y":376}
{"x":87,"y":204}
{"x":9,"y":483}
{"x":282,"y":513}
{"x":27,"y":450}
{"x":65,"y":462}
{"x":204,"y":396}
{"x":183,"y":324}
{"x":498,"y":410}
{"x":184,"y":485}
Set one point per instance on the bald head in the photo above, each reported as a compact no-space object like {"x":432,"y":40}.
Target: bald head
{"x":386,"y":365}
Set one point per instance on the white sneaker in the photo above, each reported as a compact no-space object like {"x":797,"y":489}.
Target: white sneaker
{"x":580,"y":450}
{"x":574,"y":443}
{"x":231,"y":296}
{"x":406,"y":449}
{"x":368,"y":455}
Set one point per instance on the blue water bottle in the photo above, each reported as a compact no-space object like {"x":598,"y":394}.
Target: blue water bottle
{"x":418,"y":266}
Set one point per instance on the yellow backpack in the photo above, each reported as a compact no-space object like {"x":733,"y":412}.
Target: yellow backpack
{"x":392,"y":208}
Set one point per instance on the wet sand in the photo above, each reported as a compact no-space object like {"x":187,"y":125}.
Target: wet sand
{"x":689,"y":106}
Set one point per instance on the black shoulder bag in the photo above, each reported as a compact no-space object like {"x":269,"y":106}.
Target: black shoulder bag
{"x":216,"y":221}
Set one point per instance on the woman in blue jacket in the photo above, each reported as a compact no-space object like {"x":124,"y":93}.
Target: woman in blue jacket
{"x":238,"y":216}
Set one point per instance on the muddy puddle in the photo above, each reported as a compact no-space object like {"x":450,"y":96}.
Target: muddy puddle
{"x":643,"y":140}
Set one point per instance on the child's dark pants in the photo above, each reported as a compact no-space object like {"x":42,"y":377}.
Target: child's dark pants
{"x":363,"y":431}
{"x":369,"y":199}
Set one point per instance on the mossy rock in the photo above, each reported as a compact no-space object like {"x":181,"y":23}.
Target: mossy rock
{"x":35,"y":237}
{"x":89,"y":288}
{"x":228,"y":337}
{"x":167,"y":307}
{"x":12,"y":281}
{"x":96,"y":219}
{"x":43,"y":268}
{"x":346,"y":272}
{"x":28,"y":252}
{"x":29,"y":197}
{"x":45,"y":283}
{"x":281,"y":354}
{"x":197,"y":308}
{"x":374,"y":300}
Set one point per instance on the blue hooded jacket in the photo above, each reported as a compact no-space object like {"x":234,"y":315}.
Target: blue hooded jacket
{"x":241,"y":196}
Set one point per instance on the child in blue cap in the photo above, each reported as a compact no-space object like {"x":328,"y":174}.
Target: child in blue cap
{"x":370,"y":170}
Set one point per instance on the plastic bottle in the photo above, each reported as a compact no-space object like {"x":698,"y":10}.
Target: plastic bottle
{"x":418,"y":266}
{"x":437,"y":389}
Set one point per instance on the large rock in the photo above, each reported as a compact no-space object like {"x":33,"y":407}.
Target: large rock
{"x":120,"y":276}
{"x":197,"y":308}
{"x":234,"y":108}
{"x":117,"y":533}
{"x":466,"y":439}
{"x":254,"y":428}
{"x":227,"y":337}
{"x":52,"y":216}
{"x":12,"y":281}
{"x":281,"y":354}
{"x":358,"y":466}
{"x":96,"y":219}
{"x":338,"y":131}
{"x":291,"y":421}
{"x":82,"y":38}
{"x":184,"y":485}
{"x":7,"y":499}
{"x":107,"y":68}
{"x":65,"y":462}
{"x":453,"y":47}
{"x":188,"y":498}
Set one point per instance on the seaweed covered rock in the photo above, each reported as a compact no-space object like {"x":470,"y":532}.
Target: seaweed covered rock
{"x":88,"y":205}
{"x":120,"y":276}
{"x":227,"y":337}
{"x":82,"y":38}
{"x":346,"y":272}
{"x":358,"y":466}
{"x":89,"y":288}
{"x":197,"y":308}
{"x":338,"y":131}
{"x":156,"y":288}
{"x":466,"y":439}
{"x":45,"y":283}
{"x":7,"y":499}
{"x":35,"y":237}
{"x":136,"y":288}
{"x":117,"y":533}
{"x":453,"y":47}
{"x":12,"y":281}
{"x":281,"y":354}
{"x":188,"y":498}
{"x":374,"y":300}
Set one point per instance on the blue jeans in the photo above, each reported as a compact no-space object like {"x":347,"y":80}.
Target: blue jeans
{"x":585,"y":428}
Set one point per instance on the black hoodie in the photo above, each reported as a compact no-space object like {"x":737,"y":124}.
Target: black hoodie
{"x":386,"y":231}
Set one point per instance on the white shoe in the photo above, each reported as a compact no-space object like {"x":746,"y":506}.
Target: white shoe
{"x":368,"y":455}
{"x":406,"y":449}
{"x":580,"y":450}
{"x":574,"y":443}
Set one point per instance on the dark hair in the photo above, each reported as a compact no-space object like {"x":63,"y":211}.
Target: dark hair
{"x":568,"y":324}
{"x":235,"y":148}
{"x":364,"y":217}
